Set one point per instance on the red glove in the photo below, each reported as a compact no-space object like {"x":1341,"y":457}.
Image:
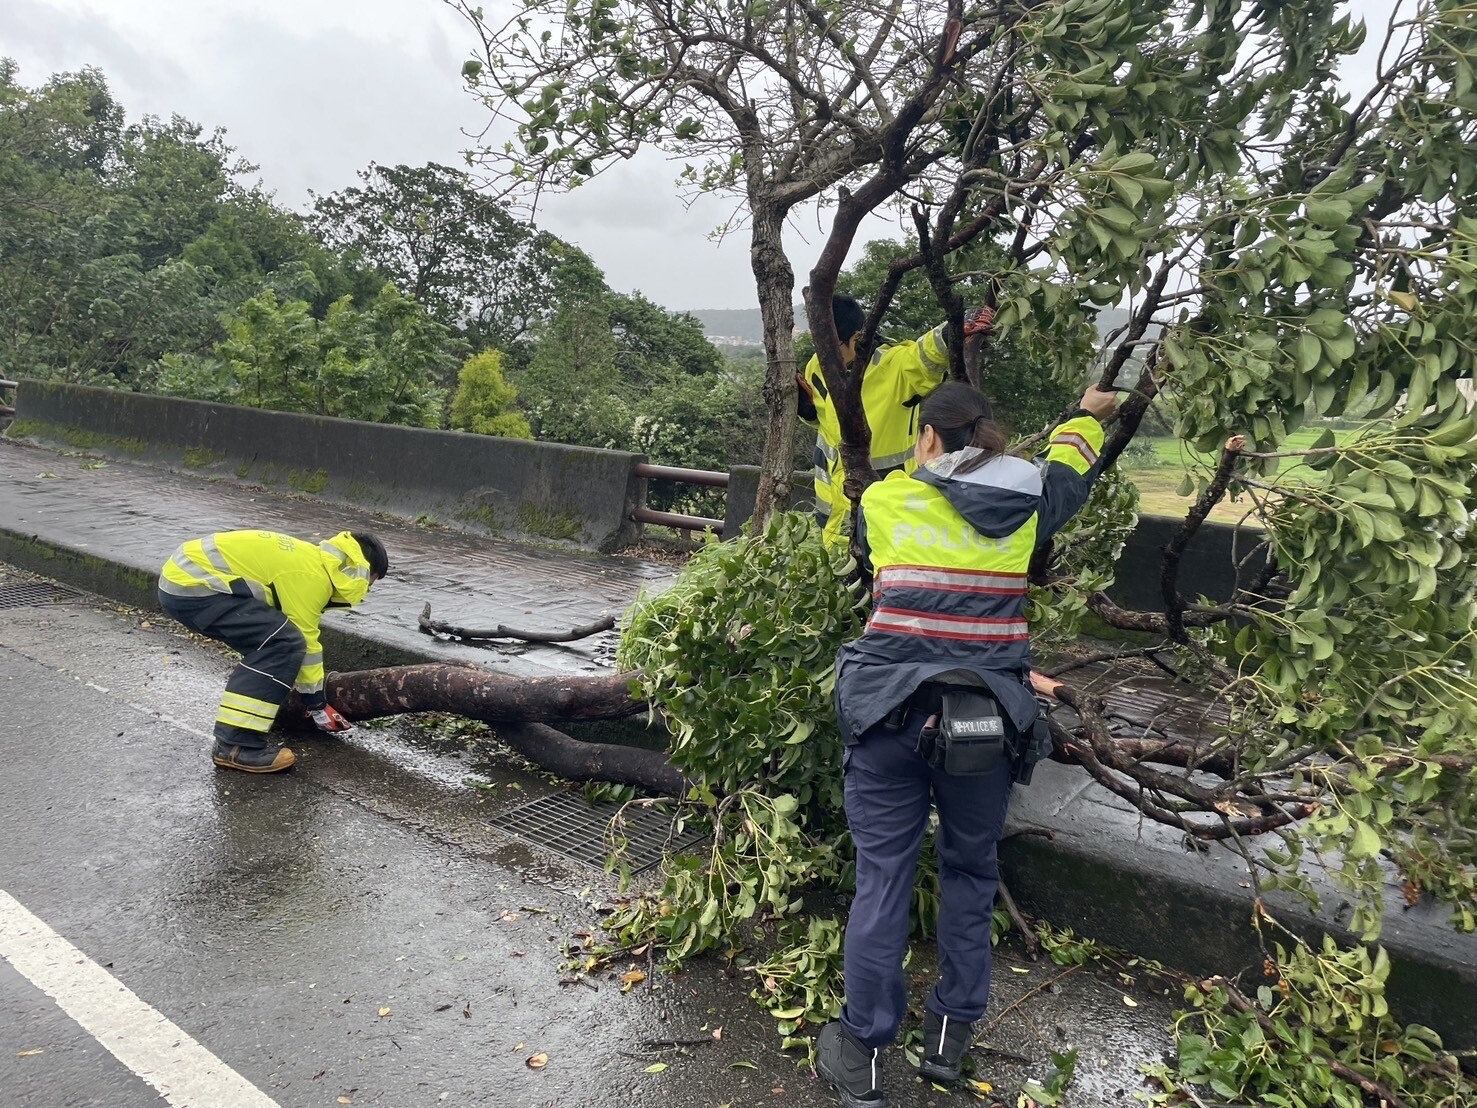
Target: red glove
{"x":979,"y":321}
{"x":328,"y":719}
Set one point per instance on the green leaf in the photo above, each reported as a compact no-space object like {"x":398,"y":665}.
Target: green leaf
{"x":1307,"y":352}
{"x":1365,"y":842}
{"x":1334,"y":212}
{"x":656,"y":1067}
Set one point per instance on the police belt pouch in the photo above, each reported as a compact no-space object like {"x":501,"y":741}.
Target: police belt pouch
{"x":972,"y":733}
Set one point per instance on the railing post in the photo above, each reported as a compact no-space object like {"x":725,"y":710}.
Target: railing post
{"x":703,"y":477}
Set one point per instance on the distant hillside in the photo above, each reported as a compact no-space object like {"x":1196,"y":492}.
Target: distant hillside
{"x":731,"y":323}
{"x":746,"y":325}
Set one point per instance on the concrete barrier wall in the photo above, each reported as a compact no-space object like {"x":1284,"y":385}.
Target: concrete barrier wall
{"x":743,"y":489}
{"x":1207,"y":567}
{"x":505,"y":487}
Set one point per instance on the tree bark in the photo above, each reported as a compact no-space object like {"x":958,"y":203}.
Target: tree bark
{"x":468,"y":691}
{"x":513,"y":706}
{"x":434,"y":627}
{"x":581,"y":761}
{"x":775,"y":280}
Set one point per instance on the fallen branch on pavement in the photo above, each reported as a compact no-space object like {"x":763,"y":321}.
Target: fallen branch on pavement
{"x":480,"y":694}
{"x":432,"y":627}
{"x":518,"y":710}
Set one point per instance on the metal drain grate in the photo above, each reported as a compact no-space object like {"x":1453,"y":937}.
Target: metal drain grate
{"x":571,"y":826}
{"x":26,"y":594}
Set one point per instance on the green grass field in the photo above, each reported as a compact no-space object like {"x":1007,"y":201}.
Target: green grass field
{"x":1158,"y":483}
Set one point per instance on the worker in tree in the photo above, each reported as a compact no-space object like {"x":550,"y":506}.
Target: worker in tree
{"x":897,"y":379}
{"x":935,"y":707}
{"x":263,"y":594}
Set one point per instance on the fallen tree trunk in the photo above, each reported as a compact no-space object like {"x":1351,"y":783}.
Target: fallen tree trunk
{"x":581,"y":761}
{"x":517,"y":709}
{"x":469,"y":691}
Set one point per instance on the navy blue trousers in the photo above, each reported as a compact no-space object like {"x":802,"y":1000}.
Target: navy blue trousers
{"x":889,"y":790}
{"x":271,"y":650}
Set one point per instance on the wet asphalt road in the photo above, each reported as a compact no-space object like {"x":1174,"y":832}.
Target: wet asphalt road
{"x":273,"y":918}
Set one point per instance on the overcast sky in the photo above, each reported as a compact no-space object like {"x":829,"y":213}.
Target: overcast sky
{"x":314,"y":90}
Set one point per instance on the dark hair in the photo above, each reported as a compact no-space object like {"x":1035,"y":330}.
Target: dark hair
{"x":960,"y":415}
{"x":848,"y":315}
{"x":373,"y":551}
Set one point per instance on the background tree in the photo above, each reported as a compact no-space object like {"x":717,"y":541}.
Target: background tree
{"x":484,"y":400}
{"x":779,"y":104}
{"x":653,"y":343}
{"x":381,"y":363}
{"x":443,"y":242}
{"x":119,"y":245}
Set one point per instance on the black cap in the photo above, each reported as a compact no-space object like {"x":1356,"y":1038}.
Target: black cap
{"x":374,"y":553}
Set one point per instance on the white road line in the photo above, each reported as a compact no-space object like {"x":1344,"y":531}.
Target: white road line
{"x":185,"y":1073}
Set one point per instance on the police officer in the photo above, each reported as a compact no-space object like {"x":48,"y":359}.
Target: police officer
{"x":897,"y":379}
{"x":263,"y":594}
{"x":934,"y":706}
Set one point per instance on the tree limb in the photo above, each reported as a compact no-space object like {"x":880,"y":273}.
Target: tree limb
{"x":474,"y":692}
{"x":582,"y":761}
{"x":433,"y":627}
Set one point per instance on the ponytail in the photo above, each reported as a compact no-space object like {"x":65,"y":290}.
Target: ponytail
{"x":960,"y":415}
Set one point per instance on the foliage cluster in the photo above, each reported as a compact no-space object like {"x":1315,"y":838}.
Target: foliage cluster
{"x":483,"y":403}
{"x":120,"y":244}
{"x":133,"y":256}
{"x":380,"y":364}
{"x":1318,"y":1033}
{"x":768,"y":613}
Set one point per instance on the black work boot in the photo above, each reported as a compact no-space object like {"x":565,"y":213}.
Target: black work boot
{"x":855,"y":1071}
{"x":944,"y":1042}
{"x":262,"y":759}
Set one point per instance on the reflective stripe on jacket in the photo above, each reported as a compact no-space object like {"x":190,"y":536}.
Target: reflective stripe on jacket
{"x":298,"y":578}
{"x":949,"y":553}
{"x":896,"y":381}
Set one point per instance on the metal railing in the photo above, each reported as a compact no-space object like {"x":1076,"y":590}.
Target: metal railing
{"x":7,"y":409}
{"x":705,"y":477}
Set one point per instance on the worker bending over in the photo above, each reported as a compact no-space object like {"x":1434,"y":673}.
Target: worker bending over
{"x":263,"y":594}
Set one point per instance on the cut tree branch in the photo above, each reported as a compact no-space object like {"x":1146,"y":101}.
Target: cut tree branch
{"x":581,"y":761}
{"x":470,"y":691}
{"x":1174,"y":603}
{"x":433,"y":627}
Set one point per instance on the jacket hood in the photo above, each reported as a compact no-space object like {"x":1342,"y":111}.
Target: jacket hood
{"x":347,"y":568}
{"x":996,"y":499}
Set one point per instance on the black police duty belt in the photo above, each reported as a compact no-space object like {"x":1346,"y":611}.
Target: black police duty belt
{"x":970,"y":734}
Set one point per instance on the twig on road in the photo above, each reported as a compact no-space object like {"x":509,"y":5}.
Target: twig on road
{"x":429,"y":626}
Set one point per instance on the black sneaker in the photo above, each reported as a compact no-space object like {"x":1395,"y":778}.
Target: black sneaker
{"x":264,"y":759}
{"x":944,"y":1042}
{"x":853,"y":1070}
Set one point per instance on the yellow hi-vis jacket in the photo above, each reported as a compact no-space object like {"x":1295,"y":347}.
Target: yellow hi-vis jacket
{"x":950,"y":550}
{"x":895,"y":383}
{"x":300,"y":579}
